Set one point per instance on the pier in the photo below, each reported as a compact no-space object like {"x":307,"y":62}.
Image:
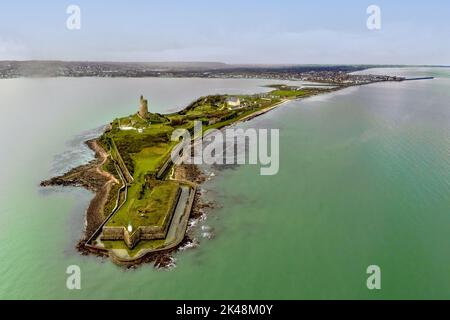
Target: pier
{"x":419,"y":78}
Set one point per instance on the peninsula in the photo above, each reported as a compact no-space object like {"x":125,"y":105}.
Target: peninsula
{"x":143,"y":201}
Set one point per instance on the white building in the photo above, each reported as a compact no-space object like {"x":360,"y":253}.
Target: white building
{"x":233,"y":102}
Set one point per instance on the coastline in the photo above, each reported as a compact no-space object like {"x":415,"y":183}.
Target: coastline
{"x":94,"y":213}
{"x":93,"y":177}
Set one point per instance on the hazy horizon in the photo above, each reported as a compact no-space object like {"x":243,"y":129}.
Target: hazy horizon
{"x":180,"y":62}
{"x":252,"y":32}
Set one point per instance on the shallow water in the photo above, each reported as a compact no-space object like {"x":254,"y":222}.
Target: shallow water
{"x":364,"y":179}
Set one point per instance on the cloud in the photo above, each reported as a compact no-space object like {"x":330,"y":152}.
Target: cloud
{"x":394,"y":44}
{"x":12,"y":50}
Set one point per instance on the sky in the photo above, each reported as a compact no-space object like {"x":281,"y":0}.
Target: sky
{"x":230,"y":31}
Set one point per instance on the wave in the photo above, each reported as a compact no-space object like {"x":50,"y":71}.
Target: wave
{"x":77,"y":152}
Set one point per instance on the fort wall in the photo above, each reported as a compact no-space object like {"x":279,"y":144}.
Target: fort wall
{"x":141,"y":232}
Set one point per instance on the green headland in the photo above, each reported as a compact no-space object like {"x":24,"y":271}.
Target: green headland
{"x":145,"y":209}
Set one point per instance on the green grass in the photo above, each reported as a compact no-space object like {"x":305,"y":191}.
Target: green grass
{"x":111,"y":201}
{"x":288,"y":93}
{"x":151,"y":159}
{"x":150,"y":210}
{"x":130,"y":143}
{"x":143,"y":153}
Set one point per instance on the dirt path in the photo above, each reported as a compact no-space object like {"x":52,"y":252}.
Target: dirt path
{"x":102,"y":156}
{"x":95,"y":212}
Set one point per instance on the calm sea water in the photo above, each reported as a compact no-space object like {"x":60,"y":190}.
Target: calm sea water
{"x":364,"y":179}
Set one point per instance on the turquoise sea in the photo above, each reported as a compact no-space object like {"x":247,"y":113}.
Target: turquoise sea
{"x":364,"y":180}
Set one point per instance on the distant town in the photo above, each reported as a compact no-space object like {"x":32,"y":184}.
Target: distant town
{"x":338,"y":74}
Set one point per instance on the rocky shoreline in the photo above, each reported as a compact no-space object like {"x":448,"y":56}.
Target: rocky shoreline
{"x":92,"y":177}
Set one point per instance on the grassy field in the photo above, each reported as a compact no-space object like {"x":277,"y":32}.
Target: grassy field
{"x":288,"y":93}
{"x":149,"y":209}
{"x":150,"y":159}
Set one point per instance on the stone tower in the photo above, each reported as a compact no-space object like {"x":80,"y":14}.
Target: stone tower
{"x":143,"y":109}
